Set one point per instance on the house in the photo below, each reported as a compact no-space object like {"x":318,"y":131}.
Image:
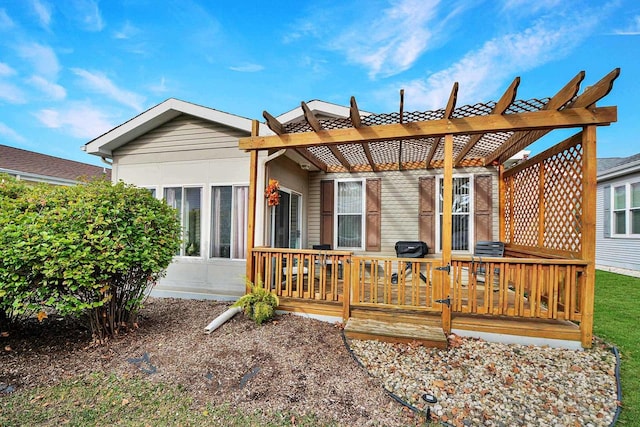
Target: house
{"x":618,"y":215}
{"x":30,"y":166}
{"x":346,"y":186}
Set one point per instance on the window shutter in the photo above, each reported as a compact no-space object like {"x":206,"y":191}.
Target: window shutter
{"x":372,"y":225}
{"x":326,"y":212}
{"x":483,"y":207}
{"x":426,"y":211}
{"x":606,"y":223}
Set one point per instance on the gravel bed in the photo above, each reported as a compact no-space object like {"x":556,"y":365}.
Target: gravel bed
{"x":492,"y":384}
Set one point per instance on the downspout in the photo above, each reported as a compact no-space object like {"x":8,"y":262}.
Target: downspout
{"x":105,"y":161}
{"x":261,"y":183}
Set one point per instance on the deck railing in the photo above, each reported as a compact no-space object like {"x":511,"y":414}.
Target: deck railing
{"x":410,"y":283}
{"x":512,"y":287}
{"x":518,"y":287}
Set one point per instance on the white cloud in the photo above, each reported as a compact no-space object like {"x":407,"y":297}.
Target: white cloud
{"x":6,"y":22}
{"x":5,"y":70}
{"x":53,"y":90}
{"x":482,"y":73}
{"x":42,"y":58}
{"x":100,"y":83}
{"x":87,"y":14}
{"x":530,"y":7}
{"x":9,"y":133}
{"x":80,"y":120}
{"x":391,"y":43}
{"x":160,"y":88}
{"x":43,"y":12}
{"x":126,"y":32}
{"x":11,"y":93}
{"x":247,"y":68}
{"x":633,"y":29}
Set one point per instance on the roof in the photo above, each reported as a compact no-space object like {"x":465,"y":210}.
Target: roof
{"x":613,"y":167}
{"x":156,"y":116}
{"x":42,"y":167}
{"x":482,"y":134}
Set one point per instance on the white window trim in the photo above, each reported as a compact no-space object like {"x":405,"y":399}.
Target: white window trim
{"x":233,"y":223}
{"x":627,"y":210}
{"x":202,"y":188}
{"x":272,"y":217}
{"x":472,"y":209}
{"x":363,"y":227}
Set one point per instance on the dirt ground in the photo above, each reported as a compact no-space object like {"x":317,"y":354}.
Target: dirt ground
{"x":293,"y":364}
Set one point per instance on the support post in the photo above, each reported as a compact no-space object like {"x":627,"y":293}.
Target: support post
{"x":251,"y":214}
{"x":588,"y":244}
{"x":446,"y":229}
{"x":501,"y":202}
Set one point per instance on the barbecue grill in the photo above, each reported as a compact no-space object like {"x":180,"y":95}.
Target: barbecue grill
{"x":410,"y":249}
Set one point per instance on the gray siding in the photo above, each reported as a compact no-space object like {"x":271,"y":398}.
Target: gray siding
{"x":188,"y":151}
{"x":615,"y":252}
{"x":400,"y":199}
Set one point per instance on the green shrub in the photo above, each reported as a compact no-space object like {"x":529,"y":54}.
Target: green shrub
{"x":259,"y":305}
{"x":90,"y":250}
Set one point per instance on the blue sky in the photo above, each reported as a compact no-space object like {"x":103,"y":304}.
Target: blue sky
{"x":71,"y":70}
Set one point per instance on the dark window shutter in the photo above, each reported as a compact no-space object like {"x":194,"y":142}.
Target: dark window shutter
{"x":326,"y":212}
{"x":483,"y":207}
{"x":372,"y":225}
{"x":606,"y":223}
{"x":427,"y":211}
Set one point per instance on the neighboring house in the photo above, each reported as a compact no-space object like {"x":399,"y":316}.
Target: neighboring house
{"x":35,"y":167}
{"x":352,"y":184}
{"x":618,"y":215}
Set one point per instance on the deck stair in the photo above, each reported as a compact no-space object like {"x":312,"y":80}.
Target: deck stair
{"x":428,"y":333}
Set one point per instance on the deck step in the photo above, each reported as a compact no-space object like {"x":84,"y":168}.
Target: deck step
{"x":388,"y":331}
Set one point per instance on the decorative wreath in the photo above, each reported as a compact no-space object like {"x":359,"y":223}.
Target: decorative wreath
{"x":271,"y":193}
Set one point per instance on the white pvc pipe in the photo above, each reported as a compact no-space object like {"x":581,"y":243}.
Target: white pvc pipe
{"x":218,"y":321}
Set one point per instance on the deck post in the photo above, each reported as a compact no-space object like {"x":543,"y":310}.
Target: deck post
{"x":446,"y":229}
{"x":501,"y":202}
{"x":251,"y":214}
{"x":346,"y":288}
{"x":588,"y":244}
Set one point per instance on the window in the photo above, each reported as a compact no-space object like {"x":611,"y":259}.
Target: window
{"x":229,"y":212}
{"x":460,"y":213}
{"x":187,"y":202}
{"x":349,"y":214}
{"x":626,"y":209}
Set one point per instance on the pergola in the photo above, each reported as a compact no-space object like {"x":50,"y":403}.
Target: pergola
{"x":486,"y":134}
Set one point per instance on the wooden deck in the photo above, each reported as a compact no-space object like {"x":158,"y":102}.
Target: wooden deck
{"x":392,"y":331}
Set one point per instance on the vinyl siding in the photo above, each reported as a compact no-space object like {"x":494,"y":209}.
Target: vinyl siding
{"x":188,"y":151}
{"x":618,"y":252}
{"x":400,"y":204}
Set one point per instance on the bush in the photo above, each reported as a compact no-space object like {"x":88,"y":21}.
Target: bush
{"x":259,"y":305}
{"x":88,"y":250}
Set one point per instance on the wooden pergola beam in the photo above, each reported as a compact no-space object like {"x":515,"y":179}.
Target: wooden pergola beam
{"x":354,"y":115}
{"x":451,"y":103}
{"x":501,"y":106}
{"x":563,"y":96}
{"x":338,"y":155}
{"x":587,"y":99}
{"x":311,"y":118}
{"x":432,"y":152}
{"x":566,"y":118}
{"x":273,"y":123}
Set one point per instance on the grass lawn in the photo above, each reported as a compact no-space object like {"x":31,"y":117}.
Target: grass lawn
{"x":617,"y":321}
{"x":112,"y":400}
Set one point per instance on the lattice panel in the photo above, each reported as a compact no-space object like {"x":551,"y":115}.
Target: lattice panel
{"x":526,"y":206}
{"x":563,"y":200}
{"x":561,"y":216}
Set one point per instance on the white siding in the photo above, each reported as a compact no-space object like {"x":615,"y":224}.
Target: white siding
{"x":188,"y":151}
{"x":400,"y":203}
{"x":615,"y":251}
